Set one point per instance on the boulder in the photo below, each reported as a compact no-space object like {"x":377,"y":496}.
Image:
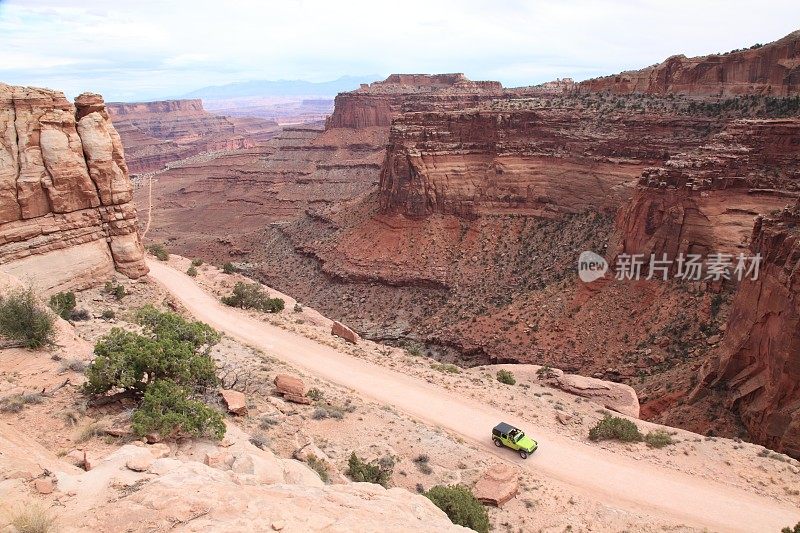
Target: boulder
{"x":139,"y":463}
{"x":291,"y":388}
{"x":235,"y":401}
{"x":498,"y":485}
{"x":44,"y":485}
{"x":615,"y":396}
{"x":340,"y":330}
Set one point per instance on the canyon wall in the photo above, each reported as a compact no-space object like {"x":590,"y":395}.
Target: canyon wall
{"x":66,"y":214}
{"x":705,"y":199}
{"x":157,"y":133}
{"x":536,"y":161}
{"x":758,"y":362}
{"x":772,"y":69}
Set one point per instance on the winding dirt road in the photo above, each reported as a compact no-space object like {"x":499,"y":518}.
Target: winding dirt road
{"x":616,"y":480}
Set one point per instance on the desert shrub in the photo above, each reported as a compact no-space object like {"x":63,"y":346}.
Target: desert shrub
{"x":259,"y":440}
{"x":505,"y":376}
{"x":23,"y":320}
{"x":298,"y":308}
{"x":360,"y":470}
{"x":114,"y":289}
{"x":267,"y":421}
{"x":62,"y":304}
{"x":461,"y":506}
{"x":327,"y":411}
{"x":169,"y":347}
{"x":446,"y":368}
{"x":74,"y":365}
{"x":315,"y":394}
{"x":191,"y":271}
{"x":422,"y":463}
{"x":17,"y":402}
{"x":252,"y":296}
{"x":33,"y":517}
{"x":108,"y":314}
{"x":545,"y":372}
{"x":159,"y":251}
{"x":658,"y":439}
{"x":615,"y":428}
{"x":197,"y":262}
{"x":168,"y":409}
{"x":790,"y":529}
{"x":228,"y":268}
{"x":318,"y":466}
{"x":77,"y":315}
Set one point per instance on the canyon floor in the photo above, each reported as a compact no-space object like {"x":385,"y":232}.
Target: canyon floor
{"x":386,"y":403}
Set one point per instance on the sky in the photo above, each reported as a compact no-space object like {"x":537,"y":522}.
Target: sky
{"x":132,"y":50}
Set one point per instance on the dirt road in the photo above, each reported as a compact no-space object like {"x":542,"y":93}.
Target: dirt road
{"x":616,"y":480}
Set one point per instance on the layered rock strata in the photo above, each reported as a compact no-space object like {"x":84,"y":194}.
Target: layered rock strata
{"x":66,"y":215}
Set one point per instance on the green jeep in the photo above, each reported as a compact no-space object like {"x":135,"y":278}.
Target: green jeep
{"x":507,"y":435}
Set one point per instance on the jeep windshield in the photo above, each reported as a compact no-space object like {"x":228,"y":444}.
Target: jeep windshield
{"x":516,"y":435}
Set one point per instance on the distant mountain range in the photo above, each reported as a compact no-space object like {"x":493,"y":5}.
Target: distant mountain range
{"x":281,"y":88}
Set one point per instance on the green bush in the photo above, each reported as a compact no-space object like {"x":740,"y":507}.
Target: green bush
{"x":505,"y":376}
{"x":114,"y":289}
{"x":168,"y":348}
{"x":461,"y":506}
{"x":318,"y":466}
{"x":159,"y":251}
{"x":251,"y":296}
{"x":790,"y":529}
{"x":23,"y":320}
{"x":228,"y":268}
{"x":658,"y":439}
{"x":62,"y":304}
{"x":168,"y":409}
{"x":197,"y":262}
{"x":191,"y":271}
{"x":615,"y":428}
{"x":108,"y":314}
{"x":373,"y":472}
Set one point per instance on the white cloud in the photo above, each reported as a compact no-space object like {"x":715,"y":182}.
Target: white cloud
{"x":130,"y":49}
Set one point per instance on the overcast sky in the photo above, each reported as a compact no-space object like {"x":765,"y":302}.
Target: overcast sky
{"x":145,"y":49}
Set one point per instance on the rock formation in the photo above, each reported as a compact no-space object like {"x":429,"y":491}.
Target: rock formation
{"x":758,"y":362}
{"x":378,"y":103}
{"x":497,"y":486}
{"x":66,"y":216}
{"x":705,"y":199}
{"x":772,"y":69}
{"x":157,"y":133}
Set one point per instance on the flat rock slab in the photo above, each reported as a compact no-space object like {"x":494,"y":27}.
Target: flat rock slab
{"x":498,"y":485}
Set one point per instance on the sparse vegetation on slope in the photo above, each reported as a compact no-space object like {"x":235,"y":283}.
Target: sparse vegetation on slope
{"x":460,"y":505}
{"x":22,"y":319}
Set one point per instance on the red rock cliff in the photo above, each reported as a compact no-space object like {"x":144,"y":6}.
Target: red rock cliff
{"x":758,"y":362}
{"x":66,"y":215}
{"x":378,"y":103}
{"x":540,"y":161}
{"x":772,"y":69}
{"x":705,"y":199}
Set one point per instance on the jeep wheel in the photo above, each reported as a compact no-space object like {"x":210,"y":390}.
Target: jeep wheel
{"x":523,"y":454}
{"x":497,"y":442}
